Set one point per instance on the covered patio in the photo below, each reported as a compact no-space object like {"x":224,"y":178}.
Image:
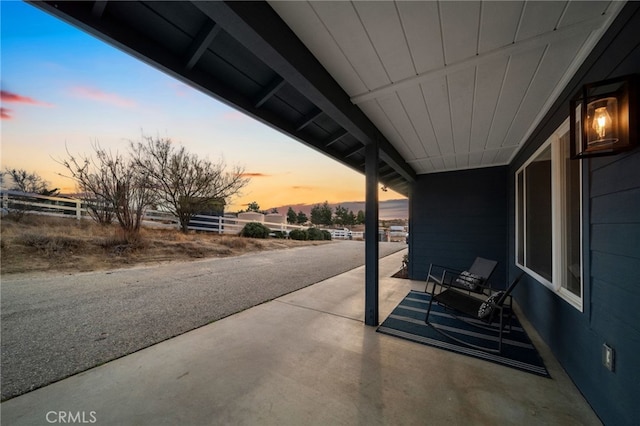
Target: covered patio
{"x":307,"y":358}
{"x":451,"y":104}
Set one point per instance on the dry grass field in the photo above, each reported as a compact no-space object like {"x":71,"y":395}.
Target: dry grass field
{"x":40,"y":243}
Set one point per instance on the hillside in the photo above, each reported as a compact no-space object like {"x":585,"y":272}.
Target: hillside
{"x":389,"y":209}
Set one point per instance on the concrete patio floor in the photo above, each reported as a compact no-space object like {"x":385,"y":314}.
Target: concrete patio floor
{"x":306,"y":358}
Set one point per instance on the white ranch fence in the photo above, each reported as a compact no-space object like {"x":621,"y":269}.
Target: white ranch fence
{"x":21,"y":202}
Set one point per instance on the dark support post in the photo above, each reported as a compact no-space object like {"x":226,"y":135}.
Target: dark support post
{"x":410,"y":239}
{"x":371,"y":236}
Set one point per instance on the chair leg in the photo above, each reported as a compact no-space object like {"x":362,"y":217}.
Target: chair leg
{"x":433,"y":292}
{"x":426,"y":286}
{"x":426,"y":318}
{"x":500,"y":332}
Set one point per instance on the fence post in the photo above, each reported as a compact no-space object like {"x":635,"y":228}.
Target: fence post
{"x":79,"y":209}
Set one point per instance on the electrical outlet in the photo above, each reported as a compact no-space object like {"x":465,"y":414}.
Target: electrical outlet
{"x":608,"y":359}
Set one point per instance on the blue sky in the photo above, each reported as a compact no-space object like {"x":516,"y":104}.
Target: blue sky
{"x":63,"y":88}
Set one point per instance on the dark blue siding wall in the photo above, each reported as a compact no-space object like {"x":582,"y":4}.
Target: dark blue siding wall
{"x":458,"y":216}
{"x":611,"y":234}
{"x":615,"y":274}
{"x":612,"y":294}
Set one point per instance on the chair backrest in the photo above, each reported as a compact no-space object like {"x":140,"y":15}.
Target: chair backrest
{"x":508,"y":291}
{"x":483,"y":267}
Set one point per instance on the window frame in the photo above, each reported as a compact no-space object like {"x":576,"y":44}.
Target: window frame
{"x":558,"y":218}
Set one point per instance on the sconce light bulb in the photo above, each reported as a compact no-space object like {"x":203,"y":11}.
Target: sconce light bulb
{"x":601,"y":121}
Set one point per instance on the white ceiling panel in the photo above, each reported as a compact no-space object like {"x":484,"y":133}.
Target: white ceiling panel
{"x":520,"y":70}
{"x":504,"y":155}
{"x":460,"y":21}
{"x":416,"y":109}
{"x":436,"y":94}
{"x":450,"y":84}
{"x":554,"y":64}
{"x":540,"y":17}
{"x":438,"y":164}
{"x":406,"y":134}
{"x":344,"y":26}
{"x":304,"y":21}
{"x":462,"y":161}
{"x":461,"y":94}
{"x":489,"y":157}
{"x":421,"y":23}
{"x":377,"y":114}
{"x":579,"y":11}
{"x":382,"y":23}
{"x":489,"y":78}
{"x":499,"y":24}
{"x":423,"y":166}
{"x":475,"y":159}
{"x":450,"y":162}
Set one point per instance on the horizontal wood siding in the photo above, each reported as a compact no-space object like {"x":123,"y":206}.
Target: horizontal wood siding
{"x":458,"y":216}
{"x":615,"y":273}
{"x":611,"y":246}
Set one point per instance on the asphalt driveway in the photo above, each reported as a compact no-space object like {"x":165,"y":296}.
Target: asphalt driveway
{"x":58,"y":325}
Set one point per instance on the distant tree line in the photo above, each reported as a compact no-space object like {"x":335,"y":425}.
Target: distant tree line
{"x":255,"y":207}
{"x":323,"y":214}
{"x":294,"y":218}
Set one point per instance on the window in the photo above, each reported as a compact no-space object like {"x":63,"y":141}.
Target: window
{"x":548,"y":218}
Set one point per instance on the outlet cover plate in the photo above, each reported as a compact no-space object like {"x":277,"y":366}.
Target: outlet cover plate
{"x":608,"y":357}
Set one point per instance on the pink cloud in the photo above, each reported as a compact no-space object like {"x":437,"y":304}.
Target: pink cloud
{"x":180,"y":89}
{"x":14,"y":97}
{"x":100,"y":96}
{"x":234,"y":116}
{"x":254,"y":175}
{"x":5,"y":114}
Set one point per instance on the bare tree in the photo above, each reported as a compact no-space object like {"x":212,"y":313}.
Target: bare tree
{"x":113,"y":184}
{"x":29,"y":182}
{"x":186,"y":184}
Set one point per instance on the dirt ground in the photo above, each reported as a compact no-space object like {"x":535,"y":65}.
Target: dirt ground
{"x":41,"y":243}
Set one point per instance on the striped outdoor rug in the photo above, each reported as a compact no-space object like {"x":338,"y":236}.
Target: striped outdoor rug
{"x":407,"y":322}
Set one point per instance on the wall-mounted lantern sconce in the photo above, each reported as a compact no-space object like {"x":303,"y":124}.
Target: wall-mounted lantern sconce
{"x":604,"y":118}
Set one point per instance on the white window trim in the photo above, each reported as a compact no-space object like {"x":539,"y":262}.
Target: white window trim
{"x":558,"y":197}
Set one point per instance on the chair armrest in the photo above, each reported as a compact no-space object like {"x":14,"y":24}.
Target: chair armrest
{"x":438,"y":275}
{"x":485,"y":288}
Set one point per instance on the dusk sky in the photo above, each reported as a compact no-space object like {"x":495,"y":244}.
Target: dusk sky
{"x":61,"y":86}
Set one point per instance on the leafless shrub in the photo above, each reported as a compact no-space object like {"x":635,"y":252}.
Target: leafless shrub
{"x":112,"y":184}
{"x":186,"y":184}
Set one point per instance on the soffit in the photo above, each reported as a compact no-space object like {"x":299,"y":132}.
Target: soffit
{"x":451,"y":85}
{"x":243,"y":54}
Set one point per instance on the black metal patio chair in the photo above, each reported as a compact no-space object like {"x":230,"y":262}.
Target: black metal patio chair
{"x":477,"y":311}
{"x":474,"y":280}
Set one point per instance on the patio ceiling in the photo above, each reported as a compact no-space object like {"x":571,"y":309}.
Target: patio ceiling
{"x":452,"y":85}
{"x":436,"y":85}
